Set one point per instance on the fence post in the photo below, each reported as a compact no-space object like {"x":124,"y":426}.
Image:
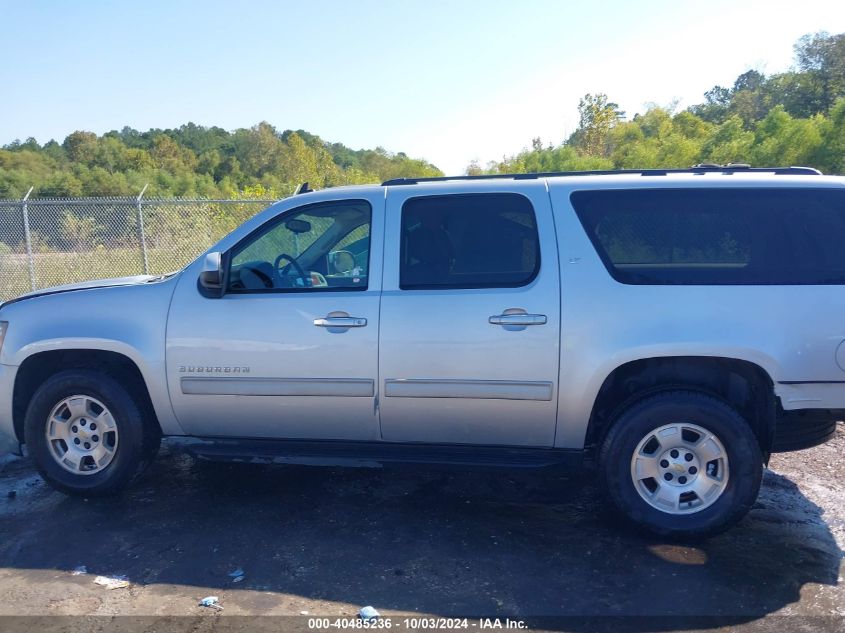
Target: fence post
{"x":28,"y":238}
{"x":142,"y":237}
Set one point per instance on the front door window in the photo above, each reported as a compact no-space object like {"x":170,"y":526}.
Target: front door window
{"x":324,"y":246}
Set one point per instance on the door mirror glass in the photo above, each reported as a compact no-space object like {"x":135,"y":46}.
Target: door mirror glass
{"x":341,"y":262}
{"x":211,"y":277}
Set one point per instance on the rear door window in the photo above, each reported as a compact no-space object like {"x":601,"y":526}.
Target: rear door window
{"x":468,"y":241}
{"x":717,"y":236}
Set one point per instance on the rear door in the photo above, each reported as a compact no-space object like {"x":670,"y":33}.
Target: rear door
{"x":470,"y":317}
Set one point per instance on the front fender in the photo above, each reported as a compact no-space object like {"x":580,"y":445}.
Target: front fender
{"x":127,"y":320}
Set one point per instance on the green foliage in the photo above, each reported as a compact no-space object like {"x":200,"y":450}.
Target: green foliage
{"x":791,"y":118}
{"x":79,"y":232}
{"x":832,"y":150}
{"x":822,"y":57}
{"x":193,"y":161}
{"x":563,"y":158}
{"x":597,"y":117}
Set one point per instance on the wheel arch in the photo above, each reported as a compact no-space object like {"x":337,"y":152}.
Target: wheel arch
{"x":40,"y":365}
{"x":743,"y":384}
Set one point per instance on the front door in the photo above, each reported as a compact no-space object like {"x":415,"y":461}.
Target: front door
{"x":290,"y":349}
{"x":470,"y":318}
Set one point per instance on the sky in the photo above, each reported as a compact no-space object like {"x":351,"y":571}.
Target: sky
{"x":450,"y":82}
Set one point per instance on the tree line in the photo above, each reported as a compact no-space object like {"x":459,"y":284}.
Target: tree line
{"x":194,"y":161}
{"x":791,"y":118}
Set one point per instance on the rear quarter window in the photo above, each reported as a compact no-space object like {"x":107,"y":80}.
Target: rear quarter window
{"x":717,"y":236}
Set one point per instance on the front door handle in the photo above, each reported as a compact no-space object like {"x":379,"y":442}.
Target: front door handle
{"x":518,"y":319}
{"x":340,"y":321}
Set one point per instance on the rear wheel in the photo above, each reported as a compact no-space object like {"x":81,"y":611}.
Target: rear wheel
{"x":681,"y":464}
{"x":86,"y":433}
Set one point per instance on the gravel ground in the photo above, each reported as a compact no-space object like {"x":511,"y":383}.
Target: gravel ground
{"x":416,"y":541}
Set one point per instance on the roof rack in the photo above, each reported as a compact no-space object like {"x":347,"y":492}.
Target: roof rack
{"x":702,"y":168}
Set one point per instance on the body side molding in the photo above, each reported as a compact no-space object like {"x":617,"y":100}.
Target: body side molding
{"x":241,"y":386}
{"x":483,"y":389}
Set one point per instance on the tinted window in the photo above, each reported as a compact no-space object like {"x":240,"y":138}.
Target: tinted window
{"x":320,"y":247}
{"x":468,"y":241}
{"x":717,"y":236}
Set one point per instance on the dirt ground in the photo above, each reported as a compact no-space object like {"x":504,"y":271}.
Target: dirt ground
{"x":320,"y":542}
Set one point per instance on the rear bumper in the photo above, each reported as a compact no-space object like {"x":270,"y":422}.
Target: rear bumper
{"x":811,"y":395}
{"x":8,"y":441}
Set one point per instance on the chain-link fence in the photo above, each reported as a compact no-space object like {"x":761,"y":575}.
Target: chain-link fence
{"x":46,"y":242}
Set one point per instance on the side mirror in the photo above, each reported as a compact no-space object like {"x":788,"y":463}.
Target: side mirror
{"x":341,"y":261}
{"x":211,"y":277}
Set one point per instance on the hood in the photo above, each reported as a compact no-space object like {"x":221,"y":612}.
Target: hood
{"x":89,"y":285}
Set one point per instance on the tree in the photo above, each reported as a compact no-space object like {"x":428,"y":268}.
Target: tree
{"x":62,"y":185}
{"x":750,"y":80}
{"x":782,"y":139}
{"x":474,"y":169}
{"x":717,"y":100}
{"x":297,"y":163}
{"x":801,"y":94}
{"x":79,"y":232}
{"x":81,"y":147}
{"x":831,"y":155}
{"x":258,"y":149}
{"x":167,"y":154}
{"x":729,"y":143}
{"x":822,"y":56}
{"x":597,"y":116}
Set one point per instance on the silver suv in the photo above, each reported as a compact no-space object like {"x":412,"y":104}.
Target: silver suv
{"x":668,"y":328}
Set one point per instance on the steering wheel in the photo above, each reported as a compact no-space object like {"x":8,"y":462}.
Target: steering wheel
{"x":299,"y":272}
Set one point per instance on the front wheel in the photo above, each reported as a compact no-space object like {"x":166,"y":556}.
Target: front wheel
{"x":681,"y":464}
{"x":86,"y":433}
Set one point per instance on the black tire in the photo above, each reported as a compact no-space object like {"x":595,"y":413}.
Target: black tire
{"x":745,"y":463}
{"x":138,"y":438}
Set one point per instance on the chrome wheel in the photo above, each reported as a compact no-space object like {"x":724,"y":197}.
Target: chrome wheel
{"x":82,"y":435}
{"x":680,"y":468}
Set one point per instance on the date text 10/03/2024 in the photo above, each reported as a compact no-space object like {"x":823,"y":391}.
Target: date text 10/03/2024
{"x":416,"y":623}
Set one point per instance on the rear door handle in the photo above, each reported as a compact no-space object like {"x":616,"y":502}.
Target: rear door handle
{"x":518,"y":319}
{"x":346,"y":321}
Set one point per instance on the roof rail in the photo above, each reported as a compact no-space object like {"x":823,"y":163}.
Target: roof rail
{"x":702,"y":168}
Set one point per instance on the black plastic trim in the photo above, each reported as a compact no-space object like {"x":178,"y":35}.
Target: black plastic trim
{"x":698,"y":169}
{"x":811,"y":382}
{"x":374,"y":454}
{"x":804,"y":428}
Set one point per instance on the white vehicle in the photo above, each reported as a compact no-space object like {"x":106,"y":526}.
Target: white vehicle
{"x":668,"y":328}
